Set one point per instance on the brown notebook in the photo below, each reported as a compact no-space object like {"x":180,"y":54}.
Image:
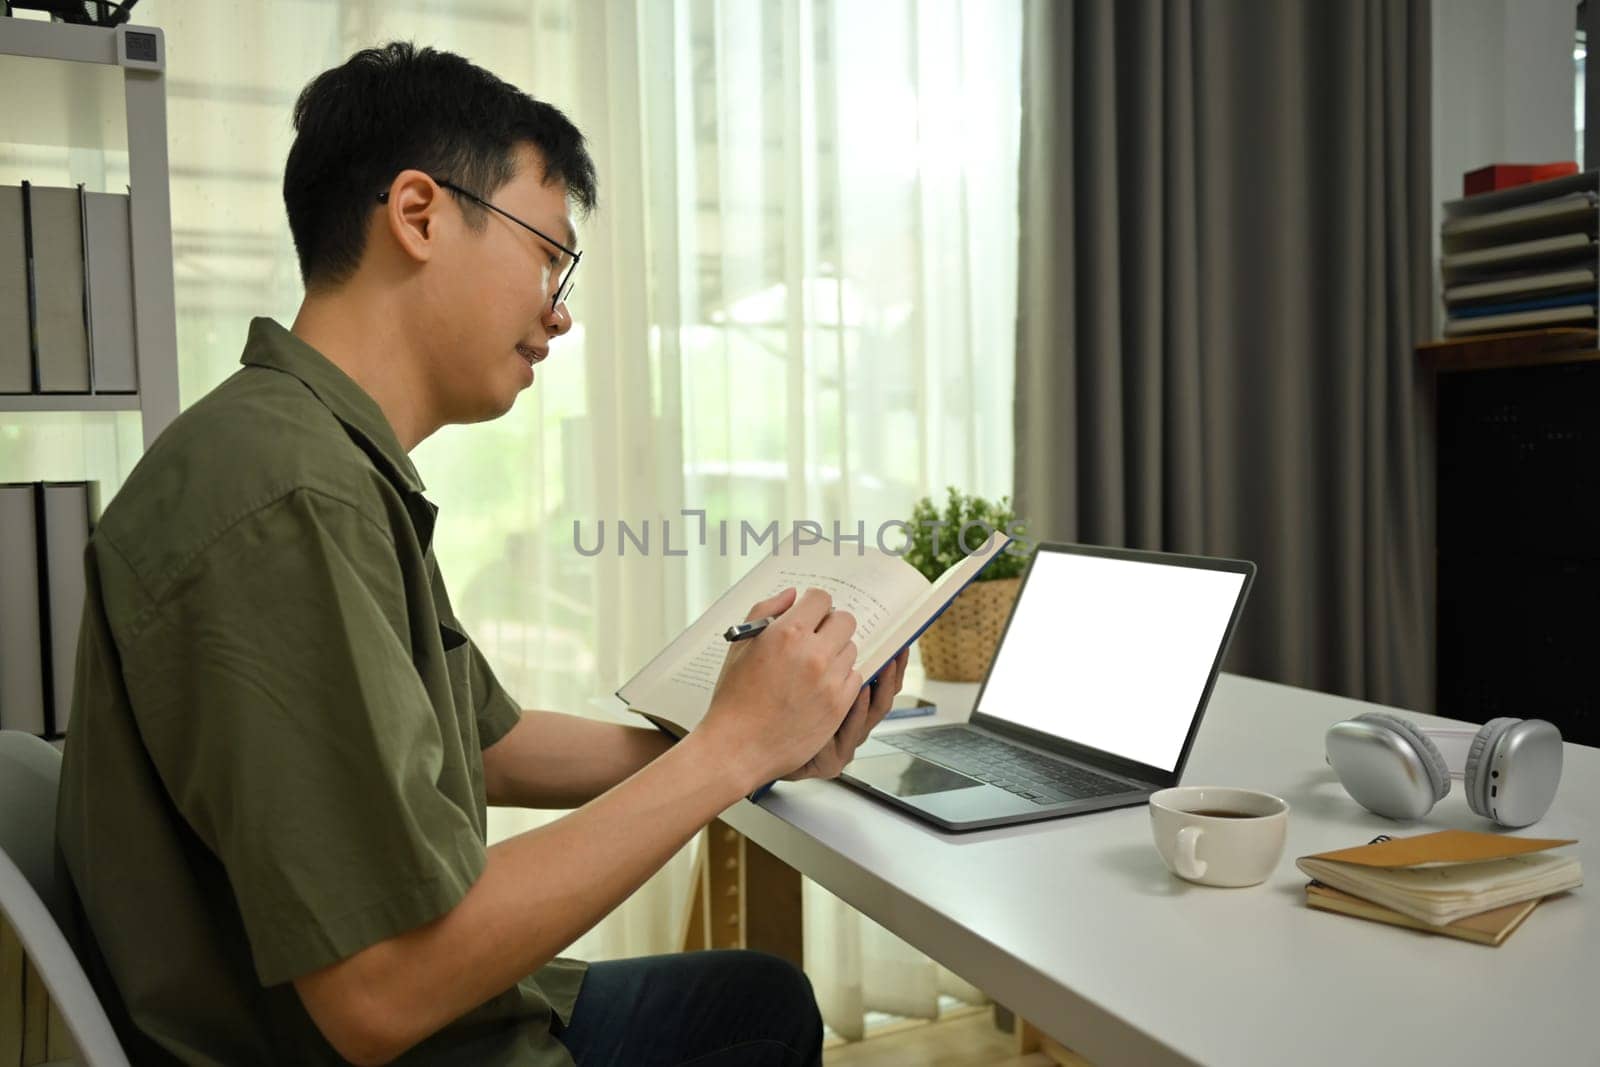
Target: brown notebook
{"x":1485,"y":928}
{"x":1449,"y":875}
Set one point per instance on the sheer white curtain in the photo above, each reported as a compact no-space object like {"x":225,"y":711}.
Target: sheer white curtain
{"x":818,"y":321}
{"x":797,"y":302}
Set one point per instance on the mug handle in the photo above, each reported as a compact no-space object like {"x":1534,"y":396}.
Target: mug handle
{"x":1189,"y":865}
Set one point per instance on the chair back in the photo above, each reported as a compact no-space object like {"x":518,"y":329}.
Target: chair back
{"x":30,"y":774}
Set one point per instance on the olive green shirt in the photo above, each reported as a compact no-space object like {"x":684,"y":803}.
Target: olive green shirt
{"x":275,"y":757}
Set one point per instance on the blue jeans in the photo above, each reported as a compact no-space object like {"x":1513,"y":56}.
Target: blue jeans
{"x":706,"y":1009}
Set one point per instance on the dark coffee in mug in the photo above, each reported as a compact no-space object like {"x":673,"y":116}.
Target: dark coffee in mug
{"x":1220,"y":813}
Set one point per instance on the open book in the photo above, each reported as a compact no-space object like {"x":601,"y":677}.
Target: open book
{"x":891,"y":601}
{"x":1441,"y":877}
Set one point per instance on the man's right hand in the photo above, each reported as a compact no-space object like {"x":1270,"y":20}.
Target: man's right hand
{"x":784,"y":692}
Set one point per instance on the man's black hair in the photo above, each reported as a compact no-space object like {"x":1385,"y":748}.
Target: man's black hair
{"x":399,"y":107}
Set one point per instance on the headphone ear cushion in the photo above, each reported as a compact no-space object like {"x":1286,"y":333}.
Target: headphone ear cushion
{"x":1432,"y":758}
{"x":1478,"y":758}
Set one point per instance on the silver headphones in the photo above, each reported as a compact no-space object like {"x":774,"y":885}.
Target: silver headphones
{"x":1396,"y":768}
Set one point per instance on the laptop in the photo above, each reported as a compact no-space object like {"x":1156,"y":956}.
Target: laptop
{"x":1093,"y":699}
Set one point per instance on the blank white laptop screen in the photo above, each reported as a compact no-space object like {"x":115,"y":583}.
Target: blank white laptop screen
{"x":1111,"y":653}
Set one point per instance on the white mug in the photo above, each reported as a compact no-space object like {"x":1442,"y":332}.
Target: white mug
{"x":1239,"y":848}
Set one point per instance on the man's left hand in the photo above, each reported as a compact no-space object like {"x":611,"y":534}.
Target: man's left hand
{"x":872,"y":704}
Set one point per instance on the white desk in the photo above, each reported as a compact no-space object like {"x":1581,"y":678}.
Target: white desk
{"x":1077,"y":926}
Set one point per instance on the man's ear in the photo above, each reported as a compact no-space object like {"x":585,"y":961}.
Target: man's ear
{"x":412,"y":209}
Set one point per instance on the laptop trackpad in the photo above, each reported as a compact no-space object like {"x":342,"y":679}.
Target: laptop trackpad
{"x":904,"y":775}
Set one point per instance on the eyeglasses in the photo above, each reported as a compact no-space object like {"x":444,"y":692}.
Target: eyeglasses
{"x":566,"y":264}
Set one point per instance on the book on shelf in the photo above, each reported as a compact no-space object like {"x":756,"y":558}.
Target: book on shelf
{"x":1486,"y":928}
{"x":69,"y":512}
{"x":1574,"y":211}
{"x":61,"y":333}
{"x":108,"y":269}
{"x":1497,"y":176}
{"x":1537,"y":303}
{"x":22,"y":684}
{"x":16,"y":362}
{"x":1520,"y":255}
{"x":1576,"y":314}
{"x":1523,"y":283}
{"x":891,"y":601}
{"x":1443,"y":877}
{"x":45,"y":528}
{"x":1529,"y":193}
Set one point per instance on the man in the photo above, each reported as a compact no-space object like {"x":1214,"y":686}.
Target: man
{"x":272,"y":802}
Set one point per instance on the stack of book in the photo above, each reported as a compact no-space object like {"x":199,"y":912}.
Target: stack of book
{"x":66,"y":292}
{"x":1521,"y":257}
{"x":45,"y":528}
{"x":1476,"y":887}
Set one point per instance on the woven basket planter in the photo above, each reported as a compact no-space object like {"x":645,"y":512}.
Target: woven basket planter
{"x":960,"y":644}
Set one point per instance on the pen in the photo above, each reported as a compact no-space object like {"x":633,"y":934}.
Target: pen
{"x":748,"y":629}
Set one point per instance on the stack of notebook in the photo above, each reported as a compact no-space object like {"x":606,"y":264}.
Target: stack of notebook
{"x":1477,"y":887}
{"x":1521,"y":257}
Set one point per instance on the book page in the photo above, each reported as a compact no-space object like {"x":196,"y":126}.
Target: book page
{"x":1464,"y":880}
{"x":874,"y":586}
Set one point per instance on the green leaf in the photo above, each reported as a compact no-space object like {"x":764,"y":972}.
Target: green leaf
{"x":935,"y":550}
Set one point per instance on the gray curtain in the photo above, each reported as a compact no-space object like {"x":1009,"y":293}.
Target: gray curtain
{"x":1224,"y":265}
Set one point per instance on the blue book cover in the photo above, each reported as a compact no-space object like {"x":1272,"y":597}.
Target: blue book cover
{"x":1588,"y":296}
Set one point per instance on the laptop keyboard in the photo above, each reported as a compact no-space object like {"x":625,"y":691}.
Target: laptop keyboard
{"x":1015,"y":769}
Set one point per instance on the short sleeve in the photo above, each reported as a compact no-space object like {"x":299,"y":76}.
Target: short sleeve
{"x":282,"y":702}
{"x":496,"y":711}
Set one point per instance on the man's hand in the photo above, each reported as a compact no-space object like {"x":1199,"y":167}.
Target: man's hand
{"x":871,"y":705}
{"x":784,"y":693}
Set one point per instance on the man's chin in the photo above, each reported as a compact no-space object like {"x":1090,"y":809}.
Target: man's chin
{"x":486,"y":410}
{"x":503,"y":407}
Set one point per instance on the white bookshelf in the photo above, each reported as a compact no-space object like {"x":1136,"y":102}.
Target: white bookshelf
{"x":72,"y":402}
{"x":84,"y":87}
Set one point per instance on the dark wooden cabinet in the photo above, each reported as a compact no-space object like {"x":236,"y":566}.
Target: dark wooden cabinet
{"x":1519,"y":542}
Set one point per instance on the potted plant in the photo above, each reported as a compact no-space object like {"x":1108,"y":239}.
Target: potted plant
{"x":960,"y":644}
